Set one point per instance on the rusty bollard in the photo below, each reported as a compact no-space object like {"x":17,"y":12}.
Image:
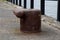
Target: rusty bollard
{"x":30,"y":19}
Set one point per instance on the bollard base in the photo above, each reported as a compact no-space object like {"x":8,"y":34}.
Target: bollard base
{"x":25,"y":31}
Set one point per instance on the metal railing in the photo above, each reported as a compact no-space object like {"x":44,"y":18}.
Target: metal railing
{"x":43,"y":9}
{"x":25,"y":3}
{"x":32,"y":6}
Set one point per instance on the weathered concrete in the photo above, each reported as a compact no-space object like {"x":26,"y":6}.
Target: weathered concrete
{"x":51,"y":21}
{"x":10,"y":28}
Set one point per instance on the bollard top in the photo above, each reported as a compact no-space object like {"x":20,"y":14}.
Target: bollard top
{"x":19,"y":9}
{"x":20,"y":12}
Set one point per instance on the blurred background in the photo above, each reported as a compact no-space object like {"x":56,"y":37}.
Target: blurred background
{"x":51,"y":0}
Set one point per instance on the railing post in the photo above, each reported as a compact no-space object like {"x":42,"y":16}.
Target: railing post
{"x":32,"y":4}
{"x":20,"y":2}
{"x":16,"y":2}
{"x":7,"y":0}
{"x":58,"y":14}
{"x":10,"y":0}
{"x":25,"y":3}
{"x":13,"y":1}
{"x":42,"y":7}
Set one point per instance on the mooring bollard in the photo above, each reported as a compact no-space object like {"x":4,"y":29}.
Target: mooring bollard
{"x":30,"y":19}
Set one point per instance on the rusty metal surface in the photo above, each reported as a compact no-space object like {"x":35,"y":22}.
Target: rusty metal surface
{"x":30,"y":20}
